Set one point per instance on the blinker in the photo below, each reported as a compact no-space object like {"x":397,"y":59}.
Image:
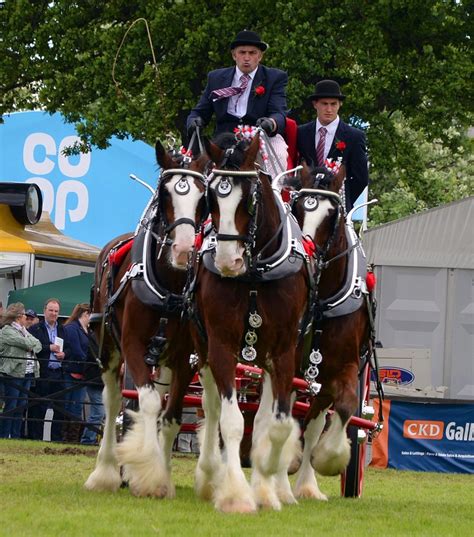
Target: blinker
{"x":310,"y":203}
{"x":224,"y":188}
{"x":182,"y":187}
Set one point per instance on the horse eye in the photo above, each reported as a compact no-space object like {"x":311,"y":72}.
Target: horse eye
{"x":182,"y":187}
{"x":310,"y":203}
{"x":224,"y":188}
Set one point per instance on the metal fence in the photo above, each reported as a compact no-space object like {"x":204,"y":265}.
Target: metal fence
{"x":30,"y":406}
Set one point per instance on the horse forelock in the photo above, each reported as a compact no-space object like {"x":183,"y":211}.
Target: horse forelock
{"x":234,"y":151}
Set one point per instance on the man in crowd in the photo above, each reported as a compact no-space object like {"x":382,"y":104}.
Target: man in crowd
{"x":328,"y":137}
{"x":52,"y":337}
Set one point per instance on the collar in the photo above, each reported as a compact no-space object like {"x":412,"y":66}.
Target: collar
{"x":238,"y":73}
{"x":331,"y":127}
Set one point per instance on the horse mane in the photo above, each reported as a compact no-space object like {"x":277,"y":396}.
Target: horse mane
{"x":234,"y":159}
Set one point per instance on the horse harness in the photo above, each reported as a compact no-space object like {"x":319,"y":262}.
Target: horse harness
{"x":147,"y":248}
{"x":351,"y":294}
{"x":287,"y":260}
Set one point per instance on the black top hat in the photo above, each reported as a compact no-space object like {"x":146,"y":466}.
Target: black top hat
{"x":327,"y":88}
{"x":247,"y":37}
{"x":31,"y":313}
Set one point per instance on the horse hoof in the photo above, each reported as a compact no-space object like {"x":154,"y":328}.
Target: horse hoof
{"x":232,"y":505}
{"x":310,"y":493}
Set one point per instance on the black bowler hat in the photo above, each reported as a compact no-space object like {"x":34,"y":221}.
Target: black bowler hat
{"x":328,"y":89}
{"x":246,"y":37}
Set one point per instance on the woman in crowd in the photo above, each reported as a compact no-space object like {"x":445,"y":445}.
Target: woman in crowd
{"x":17,"y":362}
{"x":75,"y":329}
{"x":94,"y":387}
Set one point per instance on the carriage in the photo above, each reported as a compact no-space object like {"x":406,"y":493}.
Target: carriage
{"x":255,"y":261}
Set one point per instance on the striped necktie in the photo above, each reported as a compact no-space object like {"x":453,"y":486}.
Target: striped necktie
{"x":232,"y":90}
{"x":320,"y":148}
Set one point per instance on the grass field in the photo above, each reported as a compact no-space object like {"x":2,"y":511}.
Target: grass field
{"x":42,"y":495}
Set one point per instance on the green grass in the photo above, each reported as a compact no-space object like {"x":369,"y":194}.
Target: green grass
{"x":42,"y":495}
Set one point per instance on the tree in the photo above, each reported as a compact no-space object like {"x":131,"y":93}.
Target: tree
{"x":392,"y":56}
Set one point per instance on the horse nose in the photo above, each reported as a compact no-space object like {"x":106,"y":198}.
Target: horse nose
{"x":231,"y":267}
{"x":180,"y":254}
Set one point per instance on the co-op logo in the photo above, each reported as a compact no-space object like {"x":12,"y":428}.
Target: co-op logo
{"x":72,"y":196}
{"x":435,"y":430}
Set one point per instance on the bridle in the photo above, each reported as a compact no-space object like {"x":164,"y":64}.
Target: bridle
{"x":224,"y":188}
{"x":310,"y":198}
{"x":181,"y":188}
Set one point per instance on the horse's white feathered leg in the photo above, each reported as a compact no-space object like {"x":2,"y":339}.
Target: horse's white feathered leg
{"x":106,"y":475}
{"x":209,"y":464}
{"x":275,"y":444}
{"x":233,"y":493}
{"x":306,"y":484}
{"x":332,"y":453}
{"x":139,"y":453}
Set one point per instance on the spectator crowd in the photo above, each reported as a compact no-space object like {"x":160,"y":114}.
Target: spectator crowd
{"x":45,"y":366}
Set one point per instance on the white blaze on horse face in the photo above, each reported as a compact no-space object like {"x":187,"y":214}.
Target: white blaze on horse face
{"x":229,"y":258}
{"x":184,"y":206}
{"x":313,"y":219}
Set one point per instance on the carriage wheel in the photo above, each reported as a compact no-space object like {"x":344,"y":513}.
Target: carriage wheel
{"x":352,"y":478}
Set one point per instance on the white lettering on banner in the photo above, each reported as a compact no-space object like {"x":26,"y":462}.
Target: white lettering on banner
{"x":32,"y":141}
{"x":460,"y":432}
{"x":65,"y":188}
{"x":73,"y":170}
{"x":79,"y":212}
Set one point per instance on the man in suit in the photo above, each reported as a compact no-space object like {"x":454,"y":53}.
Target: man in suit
{"x":328,"y":137}
{"x":51,"y":378}
{"x":248,"y":93}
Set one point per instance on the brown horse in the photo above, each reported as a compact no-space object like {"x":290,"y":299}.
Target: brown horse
{"x":340,"y":322}
{"x":141,"y":302}
{"x":250,"y":294}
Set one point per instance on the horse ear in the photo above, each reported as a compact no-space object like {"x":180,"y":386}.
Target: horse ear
{"x":306,"y":175}
{"x":336,"y":185}
{"x":162,"y":157}
{"x":251,"y":152}
{"x":215,"y":152}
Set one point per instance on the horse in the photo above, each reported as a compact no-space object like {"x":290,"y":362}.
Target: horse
{"x":341,"y":325}
{"x":248,"y":295}
{"x":137,"y":294}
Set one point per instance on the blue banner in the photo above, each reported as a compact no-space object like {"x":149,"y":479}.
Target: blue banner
{"x":90,"y":197}
{"x":436,"y":437}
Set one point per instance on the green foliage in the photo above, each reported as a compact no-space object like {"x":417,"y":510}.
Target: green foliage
{"x":418,"y":173}
{"x":408,"y":57}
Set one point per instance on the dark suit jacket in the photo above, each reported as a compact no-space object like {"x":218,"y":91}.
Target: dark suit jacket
{"x":271,"y":104}
{"x":354,"y":155}
{"x":40,"y":332}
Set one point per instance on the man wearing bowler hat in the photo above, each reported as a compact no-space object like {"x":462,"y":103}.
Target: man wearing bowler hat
{"x":328,"y":137}
{"x":248,"y":93}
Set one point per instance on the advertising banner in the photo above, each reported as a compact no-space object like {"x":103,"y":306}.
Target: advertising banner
{"x":433,"y":437}
{"x":90,"y":197}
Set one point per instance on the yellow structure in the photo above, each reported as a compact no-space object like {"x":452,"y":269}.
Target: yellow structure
{"x":37,"y":254}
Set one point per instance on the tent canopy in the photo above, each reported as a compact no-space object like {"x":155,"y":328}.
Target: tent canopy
{"x":69,"y":291}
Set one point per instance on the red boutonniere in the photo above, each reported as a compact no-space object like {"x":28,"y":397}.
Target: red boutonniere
{"x":340,"y":145}
{"x":259,"y":91}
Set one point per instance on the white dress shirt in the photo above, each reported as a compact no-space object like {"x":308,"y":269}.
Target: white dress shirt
{"x":330,"y":134}
{"x":237,"y":105}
